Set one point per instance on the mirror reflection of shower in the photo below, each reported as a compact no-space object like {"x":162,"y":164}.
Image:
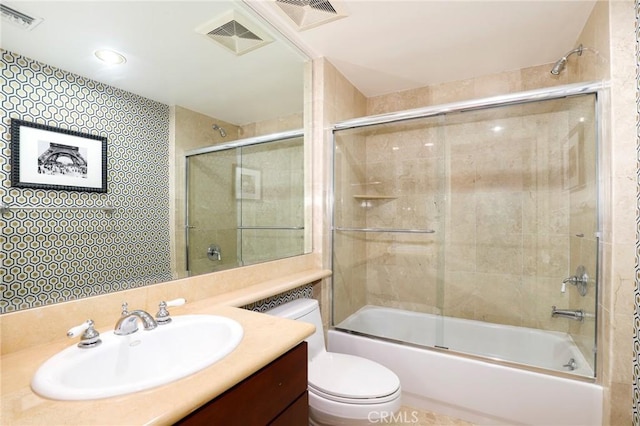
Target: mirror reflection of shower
{"x":221,"y":130}
{"x":229,"y":223}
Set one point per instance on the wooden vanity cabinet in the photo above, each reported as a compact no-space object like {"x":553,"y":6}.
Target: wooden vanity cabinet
{"x":275,"y":395}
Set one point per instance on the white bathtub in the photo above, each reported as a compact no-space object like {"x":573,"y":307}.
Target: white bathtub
{"x":470,"y":389}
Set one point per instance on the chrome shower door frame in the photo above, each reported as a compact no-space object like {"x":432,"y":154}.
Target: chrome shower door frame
{"x":598,"y":89}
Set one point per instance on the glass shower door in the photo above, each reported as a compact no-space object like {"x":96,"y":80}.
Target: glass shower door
{"x":270,"y":197}
{"x":478,"y":229}
{"x":521,"y":219}
{"x":245,"y":204}
{"x":388,"y":230}
{"x":211,"y":212}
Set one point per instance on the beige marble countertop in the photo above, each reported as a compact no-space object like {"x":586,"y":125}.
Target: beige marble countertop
{"x":265,"y":339}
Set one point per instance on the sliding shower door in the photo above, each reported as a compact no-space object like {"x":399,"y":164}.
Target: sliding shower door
{"x":270,"y":193}
{"x":388,"y":223}
{"x":477,"y":223}
{"x":245,"y":204}
{"x":521,"y":221}
{"x":211,"y":212}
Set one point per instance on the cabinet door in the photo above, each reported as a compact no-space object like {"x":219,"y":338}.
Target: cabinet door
{"x":262,"y":397}
{"x":297,"y":414}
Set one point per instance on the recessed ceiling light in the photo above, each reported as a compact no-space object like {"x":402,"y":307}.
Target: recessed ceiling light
{"x":110,"y":56}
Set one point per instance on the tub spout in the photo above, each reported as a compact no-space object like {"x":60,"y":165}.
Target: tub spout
{"x":577,"y":314}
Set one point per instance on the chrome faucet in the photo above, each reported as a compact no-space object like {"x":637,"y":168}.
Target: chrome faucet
{"x":128,"y":322}
{"x":577,"y":314}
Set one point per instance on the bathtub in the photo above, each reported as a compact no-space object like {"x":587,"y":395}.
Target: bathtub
{"x":469,"y":388}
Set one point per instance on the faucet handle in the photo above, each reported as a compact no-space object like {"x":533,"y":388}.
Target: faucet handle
{"x":90,"y":337}
{"x":176,"y":302}
{"x":163,"y":316}
{"x":125,"y":309}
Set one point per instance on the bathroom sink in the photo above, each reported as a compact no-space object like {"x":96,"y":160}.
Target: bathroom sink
{"x":139,"y":361}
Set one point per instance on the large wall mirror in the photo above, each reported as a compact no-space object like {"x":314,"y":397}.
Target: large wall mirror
{"x":195,"y":75}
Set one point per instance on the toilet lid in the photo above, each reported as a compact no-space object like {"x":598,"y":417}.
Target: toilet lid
{"x":352,"y":377}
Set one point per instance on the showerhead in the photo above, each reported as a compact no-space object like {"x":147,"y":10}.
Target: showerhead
{"x":562,"y":62}
{"x":559,"y":66}
{"x":220,"y":129}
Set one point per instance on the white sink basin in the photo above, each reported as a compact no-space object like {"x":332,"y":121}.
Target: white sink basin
{"x":139,"y":361}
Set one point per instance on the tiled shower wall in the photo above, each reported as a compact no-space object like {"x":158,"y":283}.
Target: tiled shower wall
{"x":498,"y":201}
{"x":54,"y":255}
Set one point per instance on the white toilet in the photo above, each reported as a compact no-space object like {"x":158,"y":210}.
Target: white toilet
{"x":343,"y":389}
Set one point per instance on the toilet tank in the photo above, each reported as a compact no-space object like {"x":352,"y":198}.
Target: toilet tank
{"x":306,"y":310}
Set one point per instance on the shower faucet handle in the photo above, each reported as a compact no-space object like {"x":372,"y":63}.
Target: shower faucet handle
{"x":580,"y":280}
{"x":214,"y":252}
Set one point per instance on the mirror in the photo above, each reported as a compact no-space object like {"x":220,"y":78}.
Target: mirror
{"x":245,"y":204}
{"x":196,"y":74}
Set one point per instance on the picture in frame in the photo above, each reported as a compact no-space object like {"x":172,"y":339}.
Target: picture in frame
{"x":46,"y":157}
{"x":248,"y":183}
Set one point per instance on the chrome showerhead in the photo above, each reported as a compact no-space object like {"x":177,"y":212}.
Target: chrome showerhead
{"x":559,"y":66}
{"x":220,"y":129}
{"x":562,"y":62}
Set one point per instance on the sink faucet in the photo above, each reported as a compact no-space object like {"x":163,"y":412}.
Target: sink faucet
{"x":128,"y":322}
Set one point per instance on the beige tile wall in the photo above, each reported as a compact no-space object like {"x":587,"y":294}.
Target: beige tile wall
{"x":610,"y":40}
{"x":267,"y":127}
{"x":337,"y":99}
{"x":616,"y":45}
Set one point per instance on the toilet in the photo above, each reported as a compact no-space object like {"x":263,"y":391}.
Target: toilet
{"x":343,"y":389}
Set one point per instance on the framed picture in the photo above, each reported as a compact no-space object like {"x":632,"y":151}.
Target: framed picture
{"x":51,"y":158}
{"x":248,"y":185}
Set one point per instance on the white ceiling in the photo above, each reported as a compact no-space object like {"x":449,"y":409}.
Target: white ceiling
{"x":167,"y":60}
{"x":382,"y":46}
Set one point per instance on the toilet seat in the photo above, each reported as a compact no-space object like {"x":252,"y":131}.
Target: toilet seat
{"x":351,"y":379}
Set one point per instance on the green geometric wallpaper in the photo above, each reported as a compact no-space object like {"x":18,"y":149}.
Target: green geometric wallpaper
{"x":53,"y":255}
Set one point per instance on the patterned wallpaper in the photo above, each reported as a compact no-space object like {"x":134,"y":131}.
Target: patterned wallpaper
{"x":303,"y":292}
{"x":53,"y":255}
{"x":636,"y":314}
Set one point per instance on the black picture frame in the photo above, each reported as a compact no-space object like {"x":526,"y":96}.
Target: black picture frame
{"x":47,"y":157}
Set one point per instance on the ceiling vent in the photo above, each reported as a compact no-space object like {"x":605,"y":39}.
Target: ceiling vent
{"x":235,"y":32}
{"x":21,"y":19}
{"x":311,"y":13}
